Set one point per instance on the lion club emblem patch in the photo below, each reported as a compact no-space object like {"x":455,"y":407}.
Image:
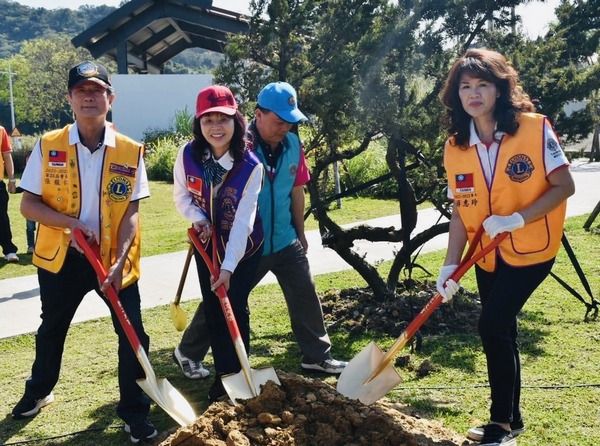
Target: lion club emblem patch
{"x":119,"y":188}
{"x":519,"y":168}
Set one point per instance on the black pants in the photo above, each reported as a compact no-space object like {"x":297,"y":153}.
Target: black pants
{"x":240,"y":285}
{"x":61,"y":294}
{"x":5,"y":235}
{"x":503,"y":294}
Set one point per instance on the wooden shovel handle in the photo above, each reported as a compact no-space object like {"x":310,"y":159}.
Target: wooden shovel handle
{"x":92,"y":254}
{"x":186,"y":267}
{"x":468,"y":260}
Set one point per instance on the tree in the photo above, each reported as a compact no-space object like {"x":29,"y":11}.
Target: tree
{"x":40,"y":82}
{"x":365,"y":71}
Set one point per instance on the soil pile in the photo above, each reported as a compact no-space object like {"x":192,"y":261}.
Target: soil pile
{"x":356,"y":310}
{"x":309,"y":412}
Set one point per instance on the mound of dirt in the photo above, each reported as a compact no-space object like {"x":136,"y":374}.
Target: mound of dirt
{"x":309,"y":412}
{"x":356,"y":310}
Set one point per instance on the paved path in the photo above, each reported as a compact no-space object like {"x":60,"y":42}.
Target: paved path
{"x":20,"y":303}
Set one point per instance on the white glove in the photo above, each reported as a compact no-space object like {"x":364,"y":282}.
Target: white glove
{"x":446,"y":287}
{"x":497,"y":224}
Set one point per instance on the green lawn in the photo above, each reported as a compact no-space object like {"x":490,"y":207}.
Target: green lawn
{"x":560,"y":355}
{"x":163,"y":229}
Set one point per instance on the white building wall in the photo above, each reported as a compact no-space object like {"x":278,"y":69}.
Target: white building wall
{"x":150,"y":101}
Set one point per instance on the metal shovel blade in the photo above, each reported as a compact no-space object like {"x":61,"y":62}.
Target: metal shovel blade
{"x":239,"y":387}
{"x":163,"y":393}
{"x":169,"y":399}
{"x":353,"y":384}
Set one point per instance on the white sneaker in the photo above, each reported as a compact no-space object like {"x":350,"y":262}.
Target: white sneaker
{"x":11,"y":257}
{"x":191,"y":369}
{"x":330,"y":365}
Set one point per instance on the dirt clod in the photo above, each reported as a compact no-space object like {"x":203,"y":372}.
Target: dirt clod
{"x":309,"y":412}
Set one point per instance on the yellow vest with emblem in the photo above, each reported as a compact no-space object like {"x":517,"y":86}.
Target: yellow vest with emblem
{"x":61,"y":190}
{"x":518,"y":179}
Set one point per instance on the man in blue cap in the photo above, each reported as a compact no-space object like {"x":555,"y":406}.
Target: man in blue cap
{"x":281,"y":206}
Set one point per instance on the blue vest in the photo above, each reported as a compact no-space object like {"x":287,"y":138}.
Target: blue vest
{"x":275,"y":198}
{"x":226,"y":201}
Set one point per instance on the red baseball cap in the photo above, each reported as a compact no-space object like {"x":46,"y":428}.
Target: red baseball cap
{"x":216,"y":98}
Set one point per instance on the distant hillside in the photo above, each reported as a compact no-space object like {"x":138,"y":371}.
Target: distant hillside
{"x":19,"y":23}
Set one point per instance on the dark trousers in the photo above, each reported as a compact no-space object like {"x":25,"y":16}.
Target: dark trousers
{"x":240,"y":285}
{"x":61,"y":294}
{"x":290,"y":267}
{"x":503,"y":294}
{"x":5,"y":235}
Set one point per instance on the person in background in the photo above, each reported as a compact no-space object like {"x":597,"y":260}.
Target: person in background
{"x":86,"y":176}
{"x":281,"y":208}
{"x":30,"y":225}
{"x":507,"y":172}
{"x":216,"y":186}
{"x":9,"y":249}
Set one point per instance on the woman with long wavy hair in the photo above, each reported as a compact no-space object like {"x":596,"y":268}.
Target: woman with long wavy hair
{"x":507,"y":172}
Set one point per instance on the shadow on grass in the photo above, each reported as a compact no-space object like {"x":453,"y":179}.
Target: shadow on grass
{"x":453,"y":351}
{"x":103,"y":431}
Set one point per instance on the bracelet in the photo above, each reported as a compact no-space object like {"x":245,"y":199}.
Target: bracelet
{"x":12,"y":180}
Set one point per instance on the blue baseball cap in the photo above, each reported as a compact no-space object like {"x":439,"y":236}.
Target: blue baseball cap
{"x":280,"y":98}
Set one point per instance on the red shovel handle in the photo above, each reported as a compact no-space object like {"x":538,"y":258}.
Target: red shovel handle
{"x":468,"y":260}
{"x":92,"y":254}
{"x":232,"y":325}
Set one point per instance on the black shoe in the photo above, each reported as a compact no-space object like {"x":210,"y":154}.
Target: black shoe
{"x":141,"y":431}
{"x":495,"y":435}
{"x":29,"y":407}
{"x":476,"y":433}
{"x":217,"y":391}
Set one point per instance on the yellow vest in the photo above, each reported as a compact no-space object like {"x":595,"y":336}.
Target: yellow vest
{"x":518,"y":179}
{"x":61,"y":190}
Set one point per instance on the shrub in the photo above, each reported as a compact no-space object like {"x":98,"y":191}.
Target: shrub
{"x":162,"y":146}
{"x":365,"y":167}
{"x":21,"y":150}
{"x":161,"y":158}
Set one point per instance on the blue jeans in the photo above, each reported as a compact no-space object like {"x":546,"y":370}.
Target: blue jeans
{"x":30,"y":231}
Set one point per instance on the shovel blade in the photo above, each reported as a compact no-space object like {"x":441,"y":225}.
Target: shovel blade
{"x":169,"y":399}
{"x":178,"y":317}
{"x":352,"y":381}
{"x":238,"y":387}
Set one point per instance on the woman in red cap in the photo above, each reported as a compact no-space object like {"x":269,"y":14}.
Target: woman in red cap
{"x":216,"y":186}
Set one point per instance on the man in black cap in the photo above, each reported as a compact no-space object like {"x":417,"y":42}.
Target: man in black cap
{"x":86,"y":176}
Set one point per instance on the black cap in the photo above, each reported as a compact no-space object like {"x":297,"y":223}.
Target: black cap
{"x":88,"y":71}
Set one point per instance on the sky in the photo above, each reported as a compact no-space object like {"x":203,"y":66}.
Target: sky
{"x":536,"y":15}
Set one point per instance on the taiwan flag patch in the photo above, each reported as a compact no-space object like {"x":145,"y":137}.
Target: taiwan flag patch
{"x":57,"y":158}
{"x":464,"y":183}
{"x":194,"y":184}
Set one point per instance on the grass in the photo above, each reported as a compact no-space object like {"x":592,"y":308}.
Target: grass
{"x":560,"y":356}
{"x":163,"y":229}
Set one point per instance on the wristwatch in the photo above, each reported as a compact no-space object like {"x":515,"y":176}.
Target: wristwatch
{"x":12,"y":180}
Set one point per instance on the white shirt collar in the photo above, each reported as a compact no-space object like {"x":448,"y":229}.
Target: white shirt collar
{"x":474,"y":137}
{"x":226,"y":161}
{"x":110,"y":139}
